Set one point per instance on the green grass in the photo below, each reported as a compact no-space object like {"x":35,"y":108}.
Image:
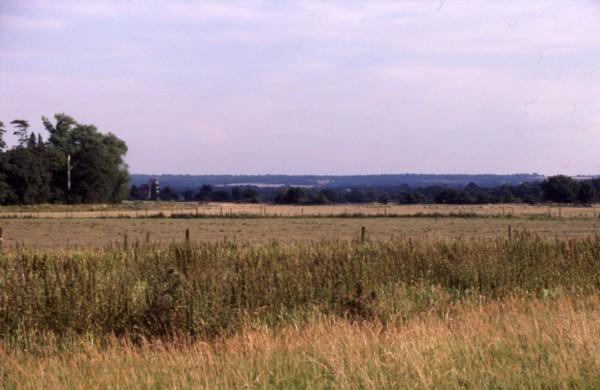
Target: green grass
{"x":401,"y":313}
{"x":210,"y":289}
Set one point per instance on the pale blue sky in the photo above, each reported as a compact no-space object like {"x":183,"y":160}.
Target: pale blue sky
{"x":319,"y":87}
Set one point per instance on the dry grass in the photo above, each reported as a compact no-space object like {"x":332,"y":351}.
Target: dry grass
{"x":62,"y":233}
{"x":515,"y":343}
{"x":149,"y":209}
{"x":424,"y":311}
{"x":209,"y":290}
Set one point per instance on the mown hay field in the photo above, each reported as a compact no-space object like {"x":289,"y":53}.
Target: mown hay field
{"x":100,"y":232}
{"x":153,"y":209}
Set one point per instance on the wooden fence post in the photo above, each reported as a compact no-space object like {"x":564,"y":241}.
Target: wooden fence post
{"x":187,"y":234}
{"x":509,"y":232}
{"x":363,"y":234}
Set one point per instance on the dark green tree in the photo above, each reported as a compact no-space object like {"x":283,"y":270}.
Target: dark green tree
{"x":292,"y":195}
{"x":99,"y":173}
{"x":250,"y":195}
{"x":32,"y":141}
{"x":329,"y":194}
{"x":188,"y":195}
{"x":236,"y":194}
{"x":561,"y":189}
{"x":167,"y":194}
{"x":586,"y":193}
{"x":2,"y":132}
{"x":59,"y":132}
{"x":36,"y":171}
{"x":205,"y":193}
{"x":28,"y":176}
{"x":21,"y":131}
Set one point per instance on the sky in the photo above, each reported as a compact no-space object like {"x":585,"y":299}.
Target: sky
{"x":315,"y":87}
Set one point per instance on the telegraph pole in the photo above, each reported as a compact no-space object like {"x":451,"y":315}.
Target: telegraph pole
{"x":69,"y":174}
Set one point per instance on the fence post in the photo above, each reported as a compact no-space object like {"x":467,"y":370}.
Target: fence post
{"x":125,"y":240}
{"x":363,"y":234}
{"x":187,"y":234}
{"x":509,"y":232}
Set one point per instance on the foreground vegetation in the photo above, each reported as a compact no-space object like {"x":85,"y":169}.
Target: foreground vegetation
{"x":210,"y":289}
{"x":514,"y":343}
{"x":404,"y":312}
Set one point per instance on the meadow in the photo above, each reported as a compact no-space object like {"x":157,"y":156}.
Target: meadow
{"x":212,"y":209}
{"x":157,"y":223}
{"x":258,"y":302}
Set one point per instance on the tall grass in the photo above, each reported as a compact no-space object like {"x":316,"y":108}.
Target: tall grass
{"x":507,"y":344}
{"x":204,"y":290}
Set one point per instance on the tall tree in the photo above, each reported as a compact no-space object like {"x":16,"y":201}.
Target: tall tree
{"x":586,"y":193}
{"x":59,"y":132}
{"x":32,"y":141}
{"x":28,"y":176}
{"x":36,"y":171}
{"x":21,"y":126}
{"x":2,"y":132}
{"x":99,"y":172}
{"x":560,"y":188}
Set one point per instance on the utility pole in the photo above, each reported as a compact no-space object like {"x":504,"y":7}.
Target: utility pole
{"x":69,"y":174}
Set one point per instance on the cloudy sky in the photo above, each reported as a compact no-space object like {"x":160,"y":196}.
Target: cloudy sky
{"x":319,"y":87}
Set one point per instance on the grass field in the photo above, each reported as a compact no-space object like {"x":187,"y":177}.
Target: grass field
{"x":291,"y":302}
{"x":150,"y":209}
{"x":95,"y":232}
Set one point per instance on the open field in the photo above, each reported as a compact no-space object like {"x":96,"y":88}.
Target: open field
{"x":99,"y":232}
{"x":288,"y":302}
{"x":150,"y":209}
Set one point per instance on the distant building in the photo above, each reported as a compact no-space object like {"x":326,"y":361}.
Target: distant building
{"x":154,"y":189}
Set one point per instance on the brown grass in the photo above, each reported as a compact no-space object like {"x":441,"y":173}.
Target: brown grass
{"x":515,"y":343}
{"x":149,"y":209}
{"x":62,"y":233}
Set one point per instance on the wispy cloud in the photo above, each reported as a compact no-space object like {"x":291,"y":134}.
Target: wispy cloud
{"x":408,"y":85}
{"x":13,"y":22}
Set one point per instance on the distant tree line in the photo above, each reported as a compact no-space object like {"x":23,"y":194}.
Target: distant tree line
{"x":556,"y":189}
{"x":346,"y":181}
{"x":38,"y":168}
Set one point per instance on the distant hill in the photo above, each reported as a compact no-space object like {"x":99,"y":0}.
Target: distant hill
{"x":412,"y":180}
